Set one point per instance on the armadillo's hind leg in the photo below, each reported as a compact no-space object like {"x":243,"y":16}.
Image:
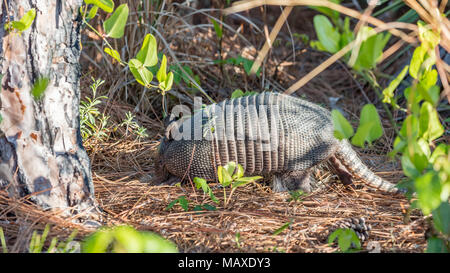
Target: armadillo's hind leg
{"x":294,"y":180}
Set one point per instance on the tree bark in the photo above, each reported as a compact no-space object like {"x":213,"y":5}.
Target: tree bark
{"x":41,"y":151}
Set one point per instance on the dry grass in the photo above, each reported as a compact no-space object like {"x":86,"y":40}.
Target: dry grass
{"x":122,"y":166}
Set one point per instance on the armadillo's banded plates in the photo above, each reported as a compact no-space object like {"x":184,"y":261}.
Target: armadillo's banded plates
{"x":268,"y":132}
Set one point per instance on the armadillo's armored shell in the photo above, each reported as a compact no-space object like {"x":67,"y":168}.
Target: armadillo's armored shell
{"x":265,"y":133}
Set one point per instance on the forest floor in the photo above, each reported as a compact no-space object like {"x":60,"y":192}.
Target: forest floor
{"x":122,"y":164}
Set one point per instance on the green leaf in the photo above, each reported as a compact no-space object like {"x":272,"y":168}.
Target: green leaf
{"x":388,"y":92}
{"x":217,"y":28}
{"x":92,"y":12}
{"x":127,"y":240}
{"x":430,"y":128}
{"x":436,"y":245}
{"x":148,"y":52}
{"x":328,"y":36}
{"x":162,"y":75}
{"x":153,"y":243}
{"x":362,"y":134}
{"x":239,"y":172}
{"x":24,"y":23}
{"x":371,"y":49}
{"x":245,"y":180}
{"x":237,"y":94}
{"x":345,"y":238}
{"x":39,"y":87}
{"x":416,"y":61}
{"x":106,"y":5}
{"x":283,"y":227}
{"x":223,"y":176}
{"x":167,"y":84}
{"x":230,"y":167}
{"x":370,"y":127}
{"x":408,"y":167}
{"x":441,"y":218}
{"x":184,"y":203}
{"x":428,"y":190}
{"x":98,"y":242}
{"x":441,"y":150}
{"x":342,"y":128}
{"x":140,"y":72}
{"x":114,"y":26}
{"x":410,"y":128}
{"x":113,"y":53}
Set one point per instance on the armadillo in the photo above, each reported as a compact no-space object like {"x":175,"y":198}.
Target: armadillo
{"x":268,"y":134}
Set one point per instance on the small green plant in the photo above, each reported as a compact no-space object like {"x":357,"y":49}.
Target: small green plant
{"x":184,"y":203}
{"x":90,"y":123}
{"x":125,"y":239}
{"x":38,"y":240}
{"x":132,"y":126}
{"x":23,"y":24}
{"x":145,"y":61}
{"x":347,"y":240}
{"x":296,"y":195}
{"x":233,"y":176}
{"x":240,"y":61}
{"x":237,"y":239}
{"x":426,"y":165}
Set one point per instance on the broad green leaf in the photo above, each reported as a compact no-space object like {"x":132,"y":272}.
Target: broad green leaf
{"x":39,"y":87}
{"x":217,"y":28}
{"x":184,"y":203}
{"x":230,"y":167}
{"x":428,"y":190}
{"x":113,"y":53}
{"x":24,"y":23}
{"x":328,"y":36}
{"x":431,"y":95}
{"x":408,"y":167}
{"x":371,"y":49}
{"x":441,"y":218}
{"x":237,"y":94}
{"x":436,"y":245}
{"x":106,"y":5}
{"x":127,"y":240}
{"x":342,"y":128}
{"x":388,"y":92}
{"x":239,"y":172}
{"x":441,"y":150}
{"x":245,"y":180}
{"x":223,"y":176}
{"x":167,"y":84}
{"x":417,"y":60}
{"x":362,"y":134}
{"x":162,"y":75}
{"x":430,"y":128}
{"x":427,"y":36}
{"x":92,"y":12}
{"x":140,"y":72}
{"x":28,"y":18}
{"x":114,"y":26}
{"x":369,"y":128}
{"x":148,"y":52}
{"x":410,"y":128}
{"x":153,"y":243}
{"x":345,"y":238}
{"x":98,"y":242}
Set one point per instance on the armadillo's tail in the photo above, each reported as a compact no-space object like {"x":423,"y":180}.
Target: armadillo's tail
{"x":350,"y":159}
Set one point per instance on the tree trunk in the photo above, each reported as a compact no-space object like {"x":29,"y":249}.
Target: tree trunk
{"x":41,"y":152}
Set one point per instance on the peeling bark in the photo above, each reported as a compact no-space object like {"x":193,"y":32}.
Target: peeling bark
{"x":41,"y":152}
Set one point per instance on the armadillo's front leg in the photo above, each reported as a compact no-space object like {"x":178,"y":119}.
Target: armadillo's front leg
{"x":294,"y":180}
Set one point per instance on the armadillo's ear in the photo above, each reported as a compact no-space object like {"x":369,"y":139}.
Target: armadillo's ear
{"x":173,"y":125}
